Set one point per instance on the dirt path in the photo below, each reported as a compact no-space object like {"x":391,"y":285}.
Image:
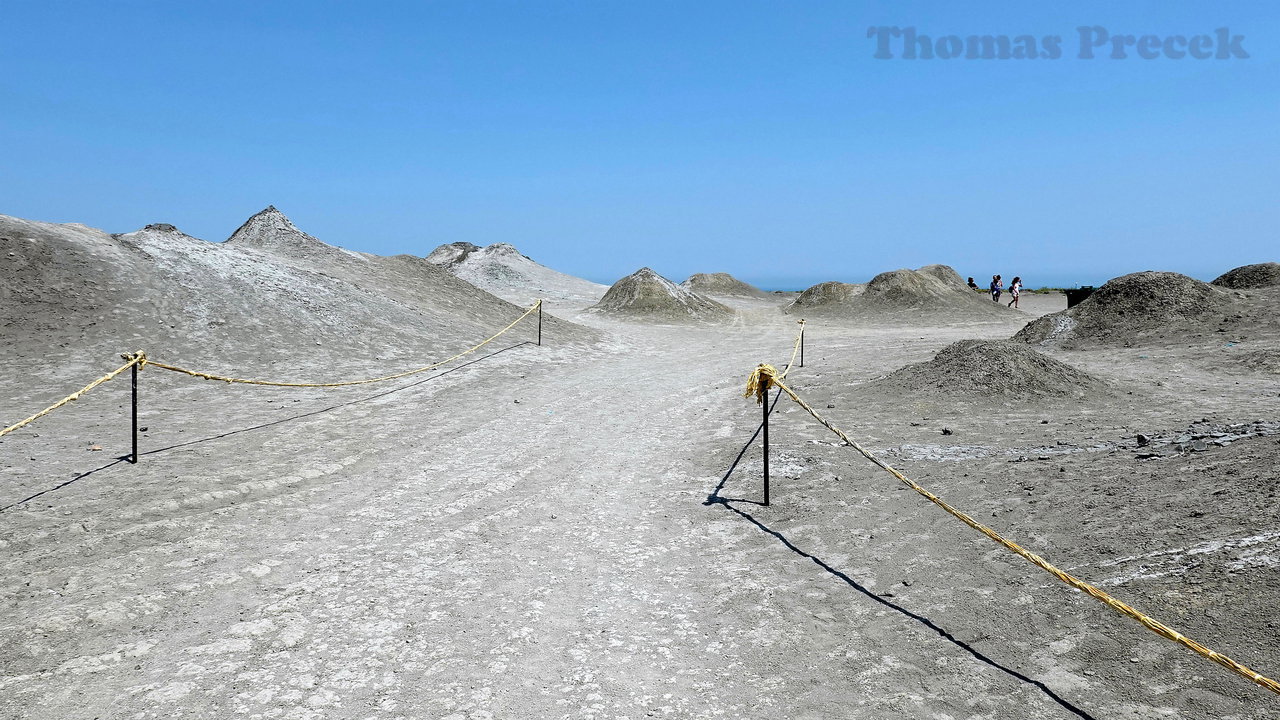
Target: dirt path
{"x":529,"y":537}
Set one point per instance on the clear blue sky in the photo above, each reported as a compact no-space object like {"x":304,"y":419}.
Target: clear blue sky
{"x":761,"y":138}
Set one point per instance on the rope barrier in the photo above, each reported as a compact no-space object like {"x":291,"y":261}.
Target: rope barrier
{"x":139,"y":358}
{"x":765,"y":376}
{"x":346,"y":383}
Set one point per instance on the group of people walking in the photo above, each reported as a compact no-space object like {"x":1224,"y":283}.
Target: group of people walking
{"x":997,"y":289}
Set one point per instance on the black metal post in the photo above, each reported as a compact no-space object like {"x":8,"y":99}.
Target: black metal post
{"x":765,"y":404}
{"x":134,"y":458}
{"x":539,"y":322}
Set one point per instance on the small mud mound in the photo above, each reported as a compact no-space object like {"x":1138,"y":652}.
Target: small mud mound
{"x":646,"y":294}
{"x":826,"y":296}
{"x":946,"y":274}
{"x":1133,"y":307}
{"x":721,"y":284}
{"x":1250,"y":277}
{"x":991,"y":368}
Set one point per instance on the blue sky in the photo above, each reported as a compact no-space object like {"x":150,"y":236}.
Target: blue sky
{"x":759,"y":138}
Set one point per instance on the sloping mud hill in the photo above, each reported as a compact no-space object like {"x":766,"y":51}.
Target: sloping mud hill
{"x":1149,"y":307}
{"x":997,"y":369}
{"x":270,"y":292}
{"x":722,"y":284}
{"x":1249,"y":277}
{"x":932,"y":293}
{"x":502,"y":270}
{"x":645,"y":294}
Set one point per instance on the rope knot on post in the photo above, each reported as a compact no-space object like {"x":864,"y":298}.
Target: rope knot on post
{"x":760,"y":380}
{"x":139,"y":357}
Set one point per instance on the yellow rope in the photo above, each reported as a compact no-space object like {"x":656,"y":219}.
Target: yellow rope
{"x":139,"y":358}
{"x":794,"y":349}
{"x":468,"y":351}
{"x":765,"y":375}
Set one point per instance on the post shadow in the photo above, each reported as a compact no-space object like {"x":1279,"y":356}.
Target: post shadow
{"x":117,"y":461}
{"x":715,"y":498}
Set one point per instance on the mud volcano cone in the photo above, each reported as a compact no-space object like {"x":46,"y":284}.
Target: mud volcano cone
{"x":1132,"y":307}
{"x":645,"y":294}
{"x":827,"y":296}
{"x":721,"y":284}
{"x":1250,"y":277}
{"x":974,"y":369}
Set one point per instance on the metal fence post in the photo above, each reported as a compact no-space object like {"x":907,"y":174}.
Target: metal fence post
{"x":539,"y":322}
{"x":134,"y":458}
{"x":765,"y":404}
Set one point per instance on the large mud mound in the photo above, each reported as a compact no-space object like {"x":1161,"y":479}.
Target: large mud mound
{"x":991,"y":368}
{"x":1135,"y":307}
{"x":1249,"y":277}
{"x":271,"y":292}
{"x":722,"y":284}
{"x":504,"y":271}
{"x":646,"y":294}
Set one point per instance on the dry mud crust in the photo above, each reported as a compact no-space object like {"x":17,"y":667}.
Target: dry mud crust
{"x":1249,"y":277}
{"x":722,"y":284}
{"x":645,"y":294}
{"x":1137,"y":307}
{"x":998,"y":370}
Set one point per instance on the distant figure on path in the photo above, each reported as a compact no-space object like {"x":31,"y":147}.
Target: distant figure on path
{"x":1015,"y":289}
{"x":997,"y":287}
{"x":972,"y":285}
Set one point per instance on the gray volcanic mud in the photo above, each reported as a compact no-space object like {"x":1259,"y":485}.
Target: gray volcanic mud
{"x":1156,"y":307}
{"x":995,"y":370}
{"x":270,"y":294}
{"x":504,"y":271}
{"x":645,"y":294}
{"x":722,"y":284}
{"x":1247,"y":277}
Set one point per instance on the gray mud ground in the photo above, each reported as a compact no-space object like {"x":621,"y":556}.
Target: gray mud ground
{"x":531,"y":536}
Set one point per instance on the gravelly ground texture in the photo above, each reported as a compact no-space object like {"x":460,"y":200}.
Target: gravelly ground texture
{"x":570,"y":531}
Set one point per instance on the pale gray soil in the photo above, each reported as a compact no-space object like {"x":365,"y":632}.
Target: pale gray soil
{"x":554,"y":532}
